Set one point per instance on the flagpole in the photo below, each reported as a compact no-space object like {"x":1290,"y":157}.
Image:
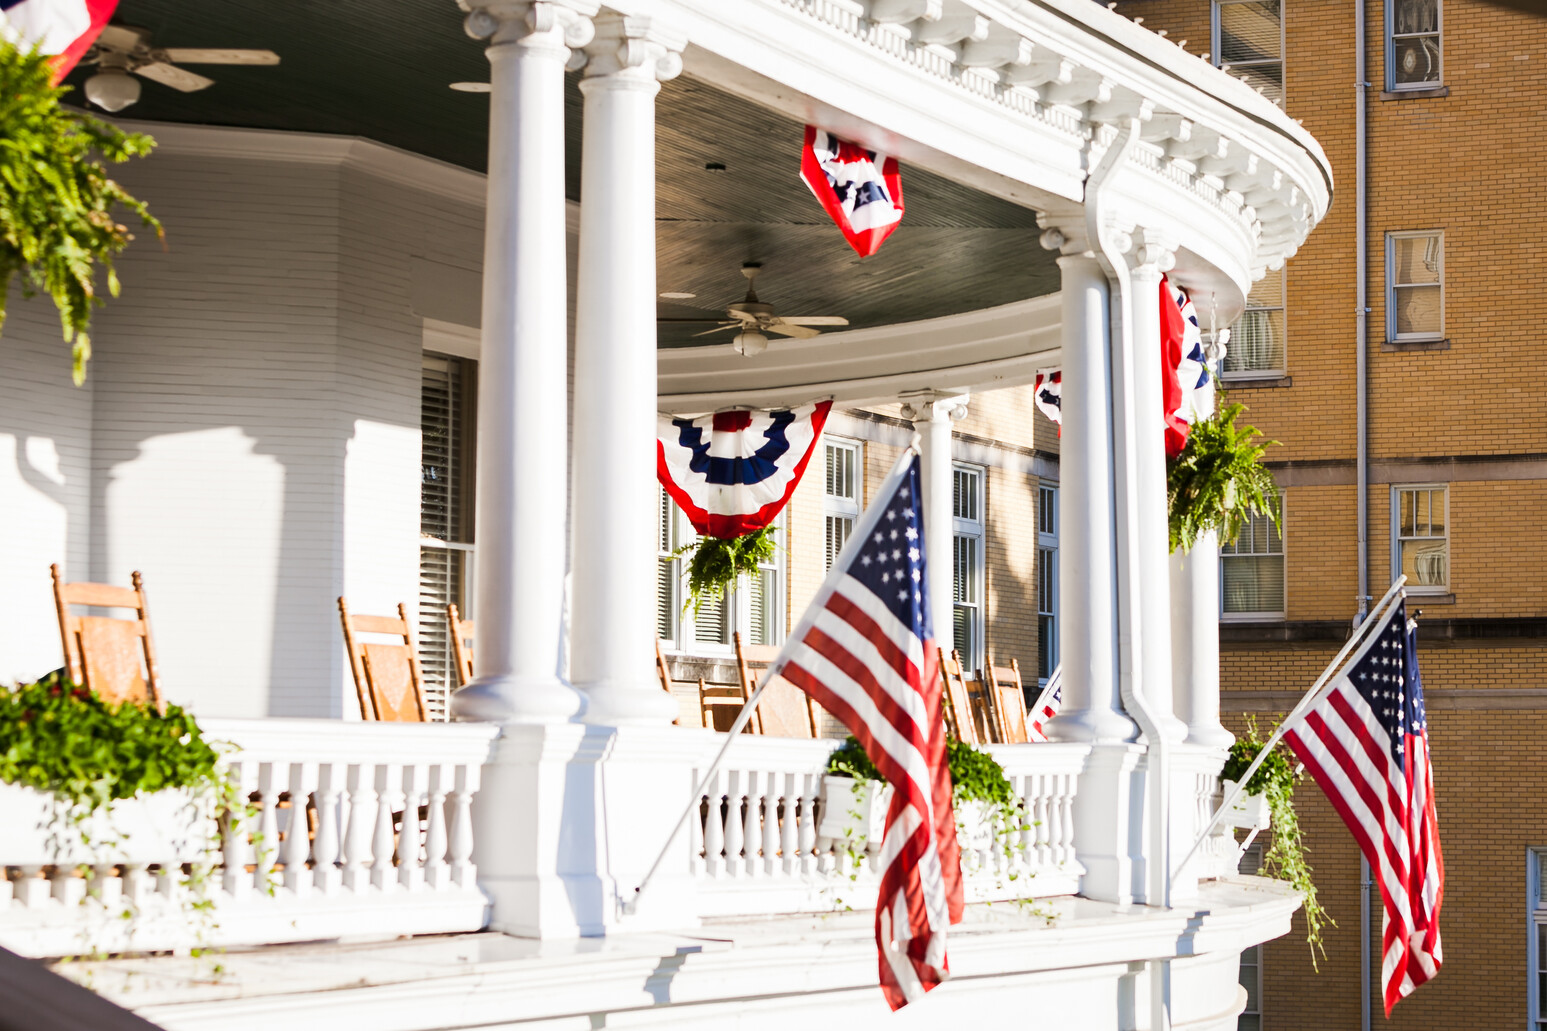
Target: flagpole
{"x":1306,"y":701}
{"x":856,"y":539}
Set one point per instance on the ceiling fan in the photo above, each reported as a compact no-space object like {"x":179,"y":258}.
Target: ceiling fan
{"x":753,"y":320}
{"x":122,"y":49}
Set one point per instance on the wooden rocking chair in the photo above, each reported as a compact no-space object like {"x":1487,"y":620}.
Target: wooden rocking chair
{"x":784,"y":710}
{"x":116,"y":658}
{"x":1009,"y":700}
{"x":388,"y":677}
{"x":461,"y":644}
{"x":956,"y":704}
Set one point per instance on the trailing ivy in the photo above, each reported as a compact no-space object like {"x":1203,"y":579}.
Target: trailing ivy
{"x":57,"y":203}
{"x":717,"y":562}
{"x":1218,"y":482}
{"x":976,"y":776}
{"x":1285,"y":858}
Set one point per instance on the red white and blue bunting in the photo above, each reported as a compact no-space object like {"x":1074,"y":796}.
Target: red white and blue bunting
{"x":64,"y":28}
{"x":733,"y":472}
{"x":860,"y":189}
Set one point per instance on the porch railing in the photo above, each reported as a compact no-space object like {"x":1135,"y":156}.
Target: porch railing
{"x":357,"y":830}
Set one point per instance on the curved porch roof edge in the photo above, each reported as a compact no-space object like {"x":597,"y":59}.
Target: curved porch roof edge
{"x":986,"y":349}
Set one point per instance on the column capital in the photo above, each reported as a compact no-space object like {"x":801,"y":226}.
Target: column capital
{"x":633,"y":47}
{"x":1154,"y":252}
{"x":1068,"y":233}
{"x":558,"y":25}
{"x":928,"y":405}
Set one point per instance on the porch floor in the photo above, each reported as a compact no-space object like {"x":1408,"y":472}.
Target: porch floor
{"x":738,"y":973}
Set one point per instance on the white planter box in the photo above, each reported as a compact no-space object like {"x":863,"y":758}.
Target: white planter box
{"x":159,"y":828}
{"x":974,"y":826}
{"x":1248,"y":811}
{"x":856,"y":813}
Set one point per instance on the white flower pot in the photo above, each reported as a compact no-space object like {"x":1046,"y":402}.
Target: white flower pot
{"x":855,"y":811}
{"x":159,"y":828}
{"x":1248,"y":811}
{"x":974,"y":826}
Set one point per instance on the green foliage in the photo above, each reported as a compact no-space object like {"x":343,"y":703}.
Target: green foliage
{"x":57,"y":217}
{"x":1218,"y":481}
{"x":717,"y":562}
{"x":975,"y":776}
{"x":1285,"y":859}
{"x":58,"y":737}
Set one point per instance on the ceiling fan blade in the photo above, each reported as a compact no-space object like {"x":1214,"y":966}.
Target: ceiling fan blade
{"x":122,"y":38}
{"x":814,"y":320}
{"x":742,"y":314}
{"x":218,"y":55}
{"x":718,"y":329}
{"x":177,"y":78}
{"x":785,"y":329}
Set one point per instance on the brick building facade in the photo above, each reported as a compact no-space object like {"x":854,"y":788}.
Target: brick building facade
{"x":1457,"y":424}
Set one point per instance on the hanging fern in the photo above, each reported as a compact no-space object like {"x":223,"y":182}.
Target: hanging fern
{"x":716,"y":563}
{"x":1218,"y":482}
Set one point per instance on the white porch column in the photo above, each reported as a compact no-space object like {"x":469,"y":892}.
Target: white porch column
{"x":519,"y":572}
{"x":1092,"y":709}
{"x":1153,"y":258}
{"x":932,"y":416}
{"x":614,"y":562}
{"x":1195,"y":642}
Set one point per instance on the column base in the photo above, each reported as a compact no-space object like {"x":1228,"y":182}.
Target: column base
{"x":1090,"y":726}
{"x":623,"y":705}
{"x":509,"y":698}
{"x":1210,"y":736}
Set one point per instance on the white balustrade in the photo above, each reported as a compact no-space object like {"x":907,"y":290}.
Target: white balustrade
{"x":757,"y":846}
{"x":348,"y":835}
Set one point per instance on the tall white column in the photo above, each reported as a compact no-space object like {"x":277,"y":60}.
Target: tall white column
{"x":932,"y":416}
{"x":1195,"y":642}
{"x":613,"y":632}
{"x":1153,"y":258}
{"x":519,"y":569}
{"x":1092,"y":709}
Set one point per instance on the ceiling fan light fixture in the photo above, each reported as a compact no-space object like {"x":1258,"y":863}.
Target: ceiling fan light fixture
{"x":112,"y":89}
{"x":749,"y":342}
{"x":677,"y":295}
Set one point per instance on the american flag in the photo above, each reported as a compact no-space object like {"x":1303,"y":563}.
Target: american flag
{"x":1366,"y":741}
{"x":1048,"y":703}
{"x":865,"y":651}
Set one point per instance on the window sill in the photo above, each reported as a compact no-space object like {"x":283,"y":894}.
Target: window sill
{"x":1416,"y":345}
{"x":1407,"y":94}
{"x":1419,"y":600}
{"x":1251,"y":618}
{"x":1256,"y":380}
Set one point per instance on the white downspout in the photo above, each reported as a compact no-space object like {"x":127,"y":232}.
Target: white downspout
{"x":1361,"y":416}
{"x":1124,"y":434}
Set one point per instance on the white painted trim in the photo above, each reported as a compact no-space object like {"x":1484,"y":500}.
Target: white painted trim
{"x":451,"y":338}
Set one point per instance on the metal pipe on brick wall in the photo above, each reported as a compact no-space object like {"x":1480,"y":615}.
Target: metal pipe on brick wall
{"x":1361,"y":362}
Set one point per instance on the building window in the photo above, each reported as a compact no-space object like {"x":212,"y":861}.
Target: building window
{"x":1415,"y":285}
{"x":1047,"y":582}
{"x":755,"y":606}
{"x":1251,"y":570}
{"x":1420,"y":536}
{"x":446,"y":404}
{"x":967,"y":563}
{"x":1249,"y":37}
{"x":841,"y":496}
{"x":1412,"y":44}
{"x":1536,"y":943}
{"x":1251,"y":959}
{"x":1257,"y":338}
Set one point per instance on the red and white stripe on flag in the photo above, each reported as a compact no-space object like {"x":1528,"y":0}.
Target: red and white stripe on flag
{"x":1366,"y":743}
{"x":733,"y":472}
{"x":865,"y":651}
{"x":1047,"y":705}
{"x":861,"y":190}
{"x":63,"y":28}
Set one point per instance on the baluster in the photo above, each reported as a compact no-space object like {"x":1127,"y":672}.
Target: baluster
{"x":714,"y":827}
{"x":696,"y":864}
{"x":757,"y":792}
{"x":772,"y":827}
{"x":436,"y":872}
{"x":410,"y":867}
{"x":297,"y":845}
{"x":734,"y":827}
{"x":789,"y":836}
{"x":267,"y":845}
{"x":33,"y":889}
{"x":235,"y":849}
{"x":357,"y":833}
{"x":136,"y":885}
{"x":326,"y":875}
{"x":810,"y":786}
{"x":105,"y":886}
{"x":1025,"y":858}
{"x":68,"y":887}
{"x":463,"y":873}
{"x":383,"y":873}
{"x":1066,"y":819}
{"x":1043,"y":811}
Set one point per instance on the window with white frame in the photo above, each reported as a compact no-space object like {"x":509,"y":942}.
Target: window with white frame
{"x":1250,"y":976}
{"x":1251,"y":569}
{"x":1249,"y":37}
{"x":1412,"y":45}
{"x":1047,"y":582}
{"x":841,"y":495}
{"x":1257,"y":340}
{"x":967,"y":563}
{"x":1420,"y":536}
{"x":1536,"y":943}
{"x":755,"y":606}
{"x":1415,"y":285}
{"x":448,"y":386}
